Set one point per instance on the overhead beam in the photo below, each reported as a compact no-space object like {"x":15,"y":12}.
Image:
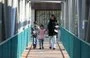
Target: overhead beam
{"x":46,"y":0}
{"x":49,"y":6}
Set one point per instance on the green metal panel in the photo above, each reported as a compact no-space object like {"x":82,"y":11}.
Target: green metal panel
{"x":14,"y":47}
{"x":19,"y":45}
{"x":85,"y":50}
{"x":1,"y":50}
{"x":75,"y":47}
{"x":23,"y":36}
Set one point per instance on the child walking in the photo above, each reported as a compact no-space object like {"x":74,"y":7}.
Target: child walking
{"x":41,"y":36}
{"x":34,"y":34}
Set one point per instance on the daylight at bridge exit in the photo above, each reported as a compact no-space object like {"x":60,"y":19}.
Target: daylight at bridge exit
{"x":44,"y":28}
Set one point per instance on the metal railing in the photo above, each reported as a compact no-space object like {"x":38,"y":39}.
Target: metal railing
{"x":14,"y":46}
{"x":76,"y":48}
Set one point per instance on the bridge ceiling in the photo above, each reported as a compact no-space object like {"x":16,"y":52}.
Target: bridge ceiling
{"x":47,"y":6}
{"x":45,"y":0}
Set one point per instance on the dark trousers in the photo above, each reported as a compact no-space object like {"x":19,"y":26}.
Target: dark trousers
{"x":41,"y":43}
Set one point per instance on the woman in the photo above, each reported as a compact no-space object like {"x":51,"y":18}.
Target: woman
{"x":51,"y":32}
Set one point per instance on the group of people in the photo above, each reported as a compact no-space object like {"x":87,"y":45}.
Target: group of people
{"x":38,"y":32}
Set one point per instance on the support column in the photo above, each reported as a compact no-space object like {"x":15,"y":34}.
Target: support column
{"x":0,"y":20}
{"x":81,"y":20}
{"x":71,"y":15}
{"x":88,"y":27}
{"x":67,"y":16}
{"x":32,"y":16}
{"x":64,"y":14}
{"x":13,"y":16}
{"x":88,"y":30}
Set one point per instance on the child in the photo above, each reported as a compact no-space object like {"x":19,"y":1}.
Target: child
{"x":34,"y":34}
{"x":41,"y":36}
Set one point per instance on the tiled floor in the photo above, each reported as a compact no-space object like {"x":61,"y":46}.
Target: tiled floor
{"x":46,"y":52}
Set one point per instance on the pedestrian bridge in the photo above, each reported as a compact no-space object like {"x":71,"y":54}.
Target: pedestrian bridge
{"x":59,"y":52}
{"x":46,"y":52}
{"x":17,"y":16}
{"x":15,"y":47}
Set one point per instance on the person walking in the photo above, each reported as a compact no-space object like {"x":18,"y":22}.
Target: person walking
{"x":34,"y":34}
{"x":52,"y":32}
{"x":41,"y":36}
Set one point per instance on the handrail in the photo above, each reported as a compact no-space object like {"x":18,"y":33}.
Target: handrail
{"x":7,"y":39}
{"x":76,"y":37}
{"x":10,"y":37}
{"x":76,"y":48}
{"x":14,"y":46}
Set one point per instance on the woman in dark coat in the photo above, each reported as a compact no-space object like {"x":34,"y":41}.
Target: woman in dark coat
{"x":51,"y":32}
